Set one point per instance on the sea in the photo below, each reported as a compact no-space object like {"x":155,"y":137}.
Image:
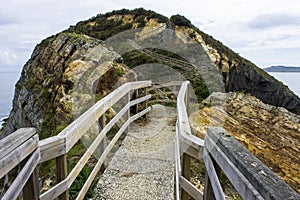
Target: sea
{"x":10,"y":76}
{"x":292,"y":80}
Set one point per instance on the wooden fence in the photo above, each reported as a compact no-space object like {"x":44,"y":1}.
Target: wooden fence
{"x":221,"y":152}
{"x":24,"y":143}
{"x":21,"y":148}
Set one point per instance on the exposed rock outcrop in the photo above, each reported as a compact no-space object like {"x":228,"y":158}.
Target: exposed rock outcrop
{"x":271,"y":133}
{"x":65,"y":75}
{"x":241,"y":75}
{"x":64,"y":70}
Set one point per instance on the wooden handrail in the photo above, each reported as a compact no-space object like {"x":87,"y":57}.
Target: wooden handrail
{"x":60,"y":145}
{"x":250,"y":177}
{"x":25,"y":145}
{"x":20,"y":147}
{"x":188,"y":145}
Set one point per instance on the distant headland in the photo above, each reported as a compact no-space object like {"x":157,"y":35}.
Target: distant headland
{"x":280,"y":68}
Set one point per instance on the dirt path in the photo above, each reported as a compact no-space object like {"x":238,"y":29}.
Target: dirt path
{"x":143,"y":167}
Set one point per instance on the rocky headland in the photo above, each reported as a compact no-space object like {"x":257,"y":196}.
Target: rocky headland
{"x":70,"y":71}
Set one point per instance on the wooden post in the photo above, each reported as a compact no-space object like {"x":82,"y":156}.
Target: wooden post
{"x":145,"y":104}
{"x":187,"y":99}
{"x":103,"y":144}
{"x":61,"y":173}
{"x":135,"y":109}
{"x":186,"y":173}
{"x":208,"y":190}
{"x":31,"y":189}
{"x":127,"y":114}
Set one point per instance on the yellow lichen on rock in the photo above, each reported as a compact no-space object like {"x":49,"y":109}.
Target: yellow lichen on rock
{"x":270,"y":133}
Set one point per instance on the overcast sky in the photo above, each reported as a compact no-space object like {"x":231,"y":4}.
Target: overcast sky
{"x":265,"y":32}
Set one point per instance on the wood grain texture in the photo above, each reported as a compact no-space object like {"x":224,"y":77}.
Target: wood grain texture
{"x":190,"y":188}
{"x":261,"y":178}
{"x":15,"y":139}
{"x":13,"y":158}
{"x":213,"y":178}
{"x":21,"y":179}
{"x":238,"y":180}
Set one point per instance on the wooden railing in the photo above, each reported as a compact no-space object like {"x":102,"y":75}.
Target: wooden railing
{"x":221,"y":152}
{"x":164,"y":92}
{"x":22,"y":143}
{"x":20,"y":148}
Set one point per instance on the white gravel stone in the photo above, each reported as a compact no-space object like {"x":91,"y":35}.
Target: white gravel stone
{"x":143,"y":167}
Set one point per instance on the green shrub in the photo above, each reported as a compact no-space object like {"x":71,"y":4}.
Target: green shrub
{"x":80,"y":181}
{"x":119,"y":71}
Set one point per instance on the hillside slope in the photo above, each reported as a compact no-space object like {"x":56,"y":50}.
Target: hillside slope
{"x":238,"y":73}
{"x":48,"y":95}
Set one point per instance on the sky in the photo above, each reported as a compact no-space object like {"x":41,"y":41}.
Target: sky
{"x":264,"y":32}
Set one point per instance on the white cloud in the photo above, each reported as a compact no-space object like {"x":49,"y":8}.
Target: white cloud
{"x":25,"y":23}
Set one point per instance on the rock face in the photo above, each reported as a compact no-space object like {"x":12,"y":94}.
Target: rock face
{"x":250,"y":81}
{"x":65,"y":75}
{"x":238,"y":73}
{"x":272,"y":134}
{"x":65,"y":70}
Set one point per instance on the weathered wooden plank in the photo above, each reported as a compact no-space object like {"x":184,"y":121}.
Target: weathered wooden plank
{"x":177,"y":164}
{"x":213,"y":177}
{"x":55,"y":191}
{"x":101,"y":160}
{"x":53,"y":152}
{"x":139,"y":84}
{"x":103,"y":143}
{"x":163,"y":93}
{"x":187,"y":99}
{"x":238,"y":180}
{"x":190,"y":149}
{"x":31,"y":189}
{"x":61,"y":174}
{"x":52,"y":147}
{"x":15,"y":139}
{"x":163,"y":101}
{"x":83,"y":160}
{"x":139,"y":100}
{"x":135,"y":117}
{"x":76,"y":170}
{"x":182,"y":90}
{"x":186,"y":173}
{"x":106,"y":152}
{"x":50,"y":142}
{"x":18,"y":154}
{"x":261,"y":177}
{"x":20,"y":181}
{"x":135,"y":108}
{"x":190,"y":188}
{"x":208,"y":190}
{"x":77,"y":128}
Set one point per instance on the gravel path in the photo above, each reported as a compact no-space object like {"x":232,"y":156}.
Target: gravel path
{"x":143,"y":167}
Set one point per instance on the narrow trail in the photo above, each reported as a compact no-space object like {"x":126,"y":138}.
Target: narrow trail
{"x":143,"y":167}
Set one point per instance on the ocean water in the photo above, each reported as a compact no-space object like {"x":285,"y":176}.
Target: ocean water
{"x":292,"y":80}
{"x":8,"y":79}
